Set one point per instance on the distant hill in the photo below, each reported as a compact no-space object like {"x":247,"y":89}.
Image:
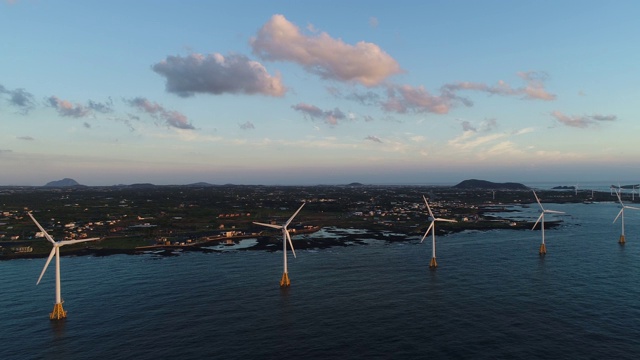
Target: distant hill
{"x":66,"y":182}
{"x":200,"y":184}
{"x":483,"y":184}
{"x":142,"y":185}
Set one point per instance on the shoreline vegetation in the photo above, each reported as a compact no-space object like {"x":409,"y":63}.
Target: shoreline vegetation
{"x":166,"y":220}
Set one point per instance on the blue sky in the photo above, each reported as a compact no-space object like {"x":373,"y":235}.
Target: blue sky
{"x":326,"y":92}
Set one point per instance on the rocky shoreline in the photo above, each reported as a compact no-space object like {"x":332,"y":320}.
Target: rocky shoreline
{"x":272,"y":243}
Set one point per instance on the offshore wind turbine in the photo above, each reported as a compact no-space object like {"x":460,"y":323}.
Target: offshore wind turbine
{"x":621,"y":216}
{"x":432,"y":228}
{"x":58,"y":312}
{"x":543,"y":247}
{"x":284,"y":281}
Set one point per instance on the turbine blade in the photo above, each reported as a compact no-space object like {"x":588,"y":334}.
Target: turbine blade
{"x":427,"y":233}
{"x":294,"y":215}
{"x":619,"y":199}
{"x":538,"y":200}
{"x":619,"y":213}
{"x":428,"y":207}
{"x":269,"y":225}
{"x":447,"y":220}
{"x":46,"y":234}
{"x":537,"y":221}
{"x":69,"y":242}
{"x":554,"y":212}
{"x":290,"y":243}
{"x":631,"y":207}
{"x":53,"y":252}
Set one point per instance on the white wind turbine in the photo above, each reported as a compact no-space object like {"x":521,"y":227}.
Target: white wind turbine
{"x":432,"y":228}
{"x":284,"y":281}
{"x":621,"y":216}
{"x":58,"y":312}
{"x":543,"y":247}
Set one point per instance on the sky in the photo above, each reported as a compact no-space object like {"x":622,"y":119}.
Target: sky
{"x":318,"y":92}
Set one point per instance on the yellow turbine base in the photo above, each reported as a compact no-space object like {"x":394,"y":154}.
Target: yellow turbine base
{"x":58,"y":312}
{"x":621,"y":241}
{"x":285,"y":282}
{"x":543,"y":249}
{"x":433,"y":263}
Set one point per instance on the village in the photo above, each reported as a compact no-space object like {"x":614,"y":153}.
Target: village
{"x":139,"y":218}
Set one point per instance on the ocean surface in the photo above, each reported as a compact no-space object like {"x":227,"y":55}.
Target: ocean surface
{"x":492,"y":297}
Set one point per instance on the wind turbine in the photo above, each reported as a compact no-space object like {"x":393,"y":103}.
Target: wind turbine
{"x":621,"y":216}
{"x":284,"y":282}
{"x":543,"y":247}
{"x":432,"y":226}
{"x":58,"y":312}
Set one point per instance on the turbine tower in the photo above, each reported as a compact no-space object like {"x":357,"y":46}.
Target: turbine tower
{"x":432,"y":228}
{"x":284,"y":281}
{"x":543,"y":247}
{"x":58,"y":312}
{"x":621,"y":216}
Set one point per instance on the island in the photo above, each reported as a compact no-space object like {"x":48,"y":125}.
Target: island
{"x":142,"y":218}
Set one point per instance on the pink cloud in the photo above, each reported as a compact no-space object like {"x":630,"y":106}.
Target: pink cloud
{"x":364,"y":62}
{"x":582,"y":122}
{"x":170,"y":117}
{"x":331,"y":117}
{"x":66,"y":108}
{"x":217,"y":74}
{"x":533,"y":89}
{"x":405,"y":98}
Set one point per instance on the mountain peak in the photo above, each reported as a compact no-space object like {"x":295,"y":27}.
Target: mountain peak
{"x":66,"y":182}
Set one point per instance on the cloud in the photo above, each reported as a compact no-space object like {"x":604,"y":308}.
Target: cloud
{"x":20,"y":98}
{"x":374,"y":139}
{"x":331,"y":117}
{"x":468,"y":140}
{"x":247,"y":126}
{"x":582,"y":122}
{"x":104,"y":108}
{"x":533,"y":89}
{"x":523,"y":131}
{"x":364,"y":63}
{"x":171,"y":118}
{"x":66,"y":108}
{"x":466,"y":126}
{"x":365,"y":98}
{"x":485,"y":125}
{"x":406,"y":98}
{"x":25,"y":138}
{"x":216,"y":74}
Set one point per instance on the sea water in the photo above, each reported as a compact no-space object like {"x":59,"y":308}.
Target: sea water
{"x":491,"y":297}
